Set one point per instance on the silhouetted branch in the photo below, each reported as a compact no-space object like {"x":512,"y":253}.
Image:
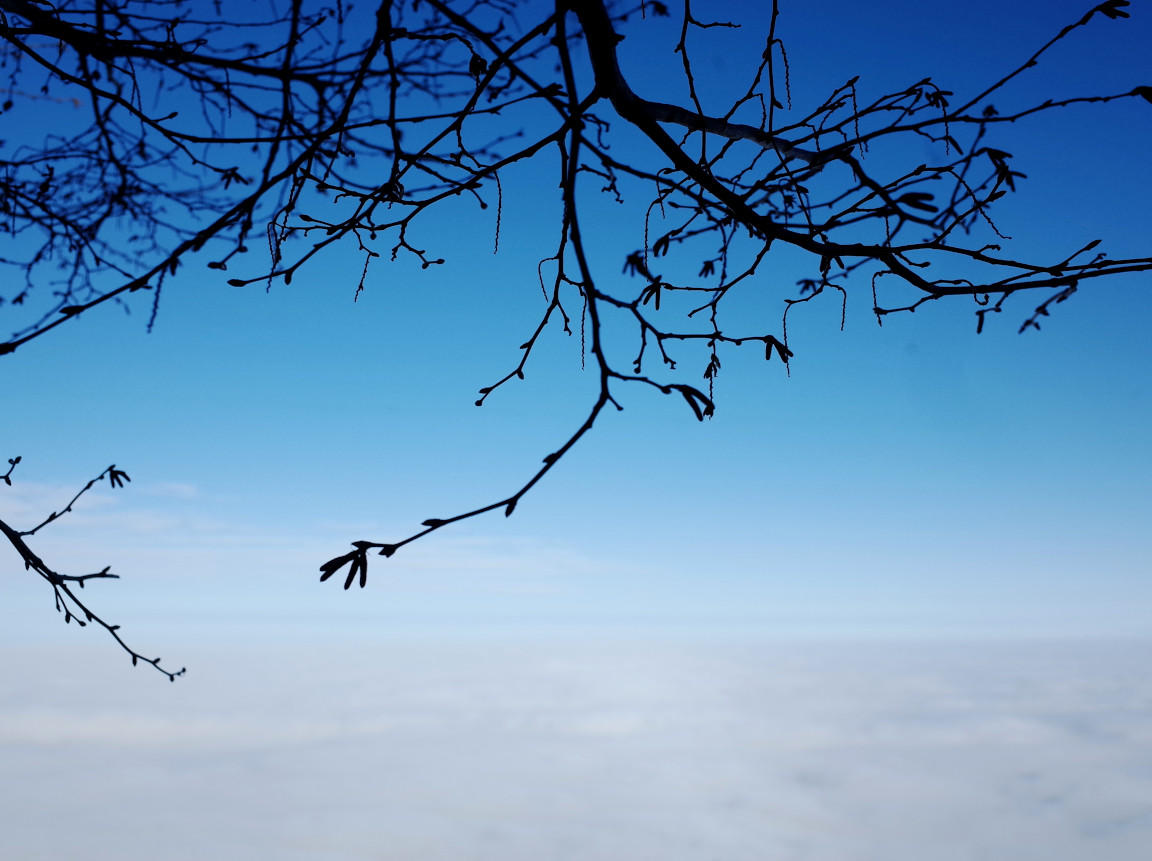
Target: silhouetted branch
{"x":306,"y":128}
{"x":67,"y":602}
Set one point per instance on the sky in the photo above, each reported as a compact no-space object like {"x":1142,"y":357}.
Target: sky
{"x":911,"y":484}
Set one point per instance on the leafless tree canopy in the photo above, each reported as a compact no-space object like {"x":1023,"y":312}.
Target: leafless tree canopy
{"x":175,"y":133}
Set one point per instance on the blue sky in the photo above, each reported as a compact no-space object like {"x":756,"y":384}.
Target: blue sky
{"x":915,"y":478}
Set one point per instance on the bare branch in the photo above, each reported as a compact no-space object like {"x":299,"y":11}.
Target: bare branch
{"x":306,"y":129}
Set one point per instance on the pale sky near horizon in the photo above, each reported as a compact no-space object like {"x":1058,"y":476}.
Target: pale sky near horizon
{"x":915,"y":478}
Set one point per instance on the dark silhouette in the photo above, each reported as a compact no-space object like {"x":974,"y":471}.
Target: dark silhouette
{"x":185,"y":129}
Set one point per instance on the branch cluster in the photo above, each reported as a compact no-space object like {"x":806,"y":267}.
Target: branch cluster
{"x":68,"y":603}
{"x":186,"y":136}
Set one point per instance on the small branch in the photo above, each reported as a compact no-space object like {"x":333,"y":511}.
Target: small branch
{"x":67,"y":601}
{"x":116,"y":478}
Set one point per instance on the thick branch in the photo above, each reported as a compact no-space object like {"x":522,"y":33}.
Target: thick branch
{"x":602,"y":41}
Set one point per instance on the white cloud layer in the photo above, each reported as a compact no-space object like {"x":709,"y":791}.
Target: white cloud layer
{"x":483,"y":749}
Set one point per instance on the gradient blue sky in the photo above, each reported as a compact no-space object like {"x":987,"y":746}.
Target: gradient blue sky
{"x":910,"y":479}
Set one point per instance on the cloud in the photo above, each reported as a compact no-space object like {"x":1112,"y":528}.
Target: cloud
{"x":172,"y":490}
{"x":594,"y":750}
{"x":25,"y":504}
